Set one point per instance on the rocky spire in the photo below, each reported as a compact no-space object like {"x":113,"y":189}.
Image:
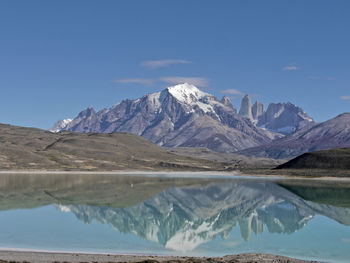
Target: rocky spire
{"x":257,"y":110}
{"x":246,"y":108}
{"x":227,"y":102}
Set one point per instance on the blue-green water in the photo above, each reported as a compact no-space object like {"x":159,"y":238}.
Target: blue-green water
{"x":202,"y":217}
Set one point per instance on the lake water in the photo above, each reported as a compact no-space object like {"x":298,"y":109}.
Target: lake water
{"x":175,"y":216}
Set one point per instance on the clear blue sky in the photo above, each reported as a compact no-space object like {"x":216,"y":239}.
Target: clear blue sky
{"x":59,"y":57}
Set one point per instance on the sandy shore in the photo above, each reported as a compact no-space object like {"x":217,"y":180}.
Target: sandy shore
{"x":50,"y":257}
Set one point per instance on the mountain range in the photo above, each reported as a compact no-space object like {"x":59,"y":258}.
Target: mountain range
{"x":185,"y":116}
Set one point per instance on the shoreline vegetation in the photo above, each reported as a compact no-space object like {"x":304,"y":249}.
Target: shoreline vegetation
{"x":18,"y":256}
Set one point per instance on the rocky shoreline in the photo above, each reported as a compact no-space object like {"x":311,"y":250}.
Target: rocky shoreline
{"x":51,"y":257}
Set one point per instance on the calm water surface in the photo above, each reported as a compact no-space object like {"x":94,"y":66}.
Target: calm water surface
{"x":177,"y":216}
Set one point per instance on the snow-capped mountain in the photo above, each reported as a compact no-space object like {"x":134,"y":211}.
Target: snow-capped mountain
{"x":181,"y":115}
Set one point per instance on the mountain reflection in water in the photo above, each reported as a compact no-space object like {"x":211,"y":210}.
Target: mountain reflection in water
{"x":183,"y":217}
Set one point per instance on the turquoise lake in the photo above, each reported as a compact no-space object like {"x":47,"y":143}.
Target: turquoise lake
{"x":306,"y":219}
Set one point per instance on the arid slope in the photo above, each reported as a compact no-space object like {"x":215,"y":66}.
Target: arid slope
{"x":325,"y":159}
{"x":34,"y":149}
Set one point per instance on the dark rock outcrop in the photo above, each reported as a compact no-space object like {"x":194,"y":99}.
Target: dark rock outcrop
{"x":325,"y":159}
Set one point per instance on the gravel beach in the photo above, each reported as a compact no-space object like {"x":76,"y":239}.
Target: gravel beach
{"x":50,"y":257}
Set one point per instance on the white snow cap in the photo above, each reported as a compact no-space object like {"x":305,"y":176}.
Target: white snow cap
{"x":187,"y":93}
{"x":190,"y":95}
{"x":60,"y":125}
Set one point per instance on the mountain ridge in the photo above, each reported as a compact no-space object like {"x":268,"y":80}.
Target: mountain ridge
{"x":334,"y":133}
{"x":181,"y":116}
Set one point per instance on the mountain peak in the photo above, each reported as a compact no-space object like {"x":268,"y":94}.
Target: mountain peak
{"x":87,"y":112}
{"x":226,"y":100}
{"x":284,"y":118}
{"x":186,"y":93}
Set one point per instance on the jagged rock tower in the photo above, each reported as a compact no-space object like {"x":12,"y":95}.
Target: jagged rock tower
{"x":257,"y":110}
{"x":246,"y":108}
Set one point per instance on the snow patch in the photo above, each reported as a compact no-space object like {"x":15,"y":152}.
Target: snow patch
{"x":277,"y":114}
{"x":286,"y":129}
{"x":60,"y":125}
{"x":189,"y":238}
{"x":205,"y":107}
{"x":64,"y":208}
